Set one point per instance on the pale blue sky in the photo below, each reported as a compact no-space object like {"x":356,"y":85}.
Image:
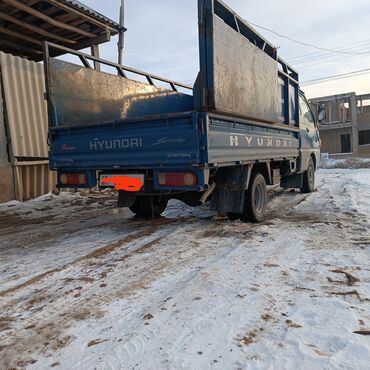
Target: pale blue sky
{"x":162,"y":36}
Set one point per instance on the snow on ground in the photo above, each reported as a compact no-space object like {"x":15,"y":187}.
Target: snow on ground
{"x":85,"y":286}
{"x":346,"y":163}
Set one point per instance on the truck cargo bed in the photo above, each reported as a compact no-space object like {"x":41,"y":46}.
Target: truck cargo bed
{"x":180,"y":139}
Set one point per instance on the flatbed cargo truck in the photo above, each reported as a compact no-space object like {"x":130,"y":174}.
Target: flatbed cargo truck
{"x":244,"y":125}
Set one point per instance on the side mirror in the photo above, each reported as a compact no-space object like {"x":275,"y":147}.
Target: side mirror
{"x":322,"y":115}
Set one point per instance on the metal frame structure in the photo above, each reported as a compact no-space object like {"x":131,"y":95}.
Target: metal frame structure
{"x":204,"y":86}
{"x":206,"y":10}
{"x":121,"y":69}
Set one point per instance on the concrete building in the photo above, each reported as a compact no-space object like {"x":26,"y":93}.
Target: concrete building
{"x":344,"y":124}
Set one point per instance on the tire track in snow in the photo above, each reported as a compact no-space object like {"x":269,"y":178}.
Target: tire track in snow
{"x":49,"y":321}
{"x":136,"y":276}
{"x":95,"y":254}
{"x":41,"y":317}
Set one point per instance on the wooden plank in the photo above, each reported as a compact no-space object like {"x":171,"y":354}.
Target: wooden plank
{"x":28,"y":51}
{"x":47,"y":19}
{"x":95,"y":53}
{"x":68,"y":18}
{"x":83,"y":15}
{"x":105,"y":37}
{"x":84,"y":43}
{"x":38,"y":30}
{"x":21,"y":36}
{"x":81,"y":23}
{"x":50,"y":12}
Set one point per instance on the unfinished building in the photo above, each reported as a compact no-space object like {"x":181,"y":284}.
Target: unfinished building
{"x":344,"y":124}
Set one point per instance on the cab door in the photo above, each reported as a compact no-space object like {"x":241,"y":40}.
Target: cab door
{"x":309,"y":134}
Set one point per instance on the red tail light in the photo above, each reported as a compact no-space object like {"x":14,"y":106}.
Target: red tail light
{"x":177,"y":178}
{"x":73,"y":179}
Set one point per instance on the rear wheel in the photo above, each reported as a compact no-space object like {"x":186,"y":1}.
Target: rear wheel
{"x":255,"y":199}
{"x":149,"y":207}
{"x":309,"y":178}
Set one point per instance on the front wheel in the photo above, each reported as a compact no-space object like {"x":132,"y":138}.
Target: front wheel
{"x":149,"y":207}
{"x":309,"y":179}
{"x":255,"y":199}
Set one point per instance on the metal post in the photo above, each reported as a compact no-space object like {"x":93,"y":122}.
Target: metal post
{"x":121,"y":41}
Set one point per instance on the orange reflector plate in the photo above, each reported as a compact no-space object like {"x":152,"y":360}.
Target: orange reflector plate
{"x":131,"y":183}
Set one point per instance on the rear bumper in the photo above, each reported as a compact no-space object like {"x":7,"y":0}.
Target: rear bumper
{"x":151,"y":178}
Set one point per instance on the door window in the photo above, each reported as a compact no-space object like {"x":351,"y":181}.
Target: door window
{"x":305,"y":112}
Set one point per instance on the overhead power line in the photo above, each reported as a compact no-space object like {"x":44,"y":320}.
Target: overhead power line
{"x":364,"y":50}
{"x":331,"y":60}
{"x":351,"y":46}
{"x":303,"y":43}
{"x":337,"y":77}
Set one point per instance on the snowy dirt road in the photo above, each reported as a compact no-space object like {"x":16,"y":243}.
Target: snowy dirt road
{"x":85,"y":287}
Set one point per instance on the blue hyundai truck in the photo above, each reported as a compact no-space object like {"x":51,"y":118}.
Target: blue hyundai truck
{"x":244,"y":124}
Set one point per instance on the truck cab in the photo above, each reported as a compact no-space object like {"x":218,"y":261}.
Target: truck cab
{"x":310,"y":143}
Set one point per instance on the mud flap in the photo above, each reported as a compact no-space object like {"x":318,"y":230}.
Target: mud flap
{"x":126,"y":199}
{"x":292,"y":181}
{"x":226,"y":201}
{"x":230,"y":189}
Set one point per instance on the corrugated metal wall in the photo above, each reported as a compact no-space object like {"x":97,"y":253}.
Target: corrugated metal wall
{"x":27,"y":125}
{"x":24,"y":88}
{"x":34,"y":180}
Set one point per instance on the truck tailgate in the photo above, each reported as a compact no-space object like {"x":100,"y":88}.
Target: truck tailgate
{"x":146,"y":143}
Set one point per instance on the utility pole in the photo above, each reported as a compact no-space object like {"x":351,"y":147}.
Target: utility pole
{"x":121,"y":41}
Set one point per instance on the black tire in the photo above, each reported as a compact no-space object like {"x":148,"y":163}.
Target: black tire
{"x":149,"y":207}
{"x":309,"y":179}
{"x":233,"y":216}
{"x":255,"y":199}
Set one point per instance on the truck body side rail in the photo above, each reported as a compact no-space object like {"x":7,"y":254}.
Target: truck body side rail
{"x":121,"y":69}
{"x":80,"y":95}
{"x":232,"y":54}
